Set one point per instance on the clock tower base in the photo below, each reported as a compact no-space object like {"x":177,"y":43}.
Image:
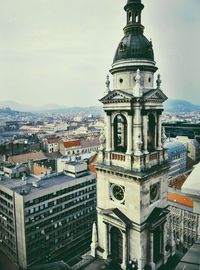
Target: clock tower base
{"x":131,"y":214}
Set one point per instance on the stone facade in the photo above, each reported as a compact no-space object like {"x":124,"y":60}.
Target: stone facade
{"x":183,"y":228}
{"x":132,"y":167}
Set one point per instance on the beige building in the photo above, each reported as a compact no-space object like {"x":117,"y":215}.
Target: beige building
{"x":51,"y":145}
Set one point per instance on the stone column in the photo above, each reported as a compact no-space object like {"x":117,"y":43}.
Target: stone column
{"x":165,"y":241}
{"x":152,"y":251}
{"x":156,"y":134}
{"x":137,"y":123}
{"x":106,"y":248}
{"x":109,"y":133}
{"x":130,"y":135}
{"x":124,"y":260}
{"x":145,"y":134}
{"x":159,"y":126}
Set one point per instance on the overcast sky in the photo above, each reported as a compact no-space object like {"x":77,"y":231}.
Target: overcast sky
{"x":59,"y":51}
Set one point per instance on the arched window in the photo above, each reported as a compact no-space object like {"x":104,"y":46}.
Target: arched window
{"x":137,"y":17}
{"x":129,"y":16}
{"x":120,"y":133}
{"x":151,"y":133}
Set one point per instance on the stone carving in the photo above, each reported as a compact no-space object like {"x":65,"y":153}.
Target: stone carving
{"x":137,"y":88}
{"x":158,"y":82}
{"x":139,"y":143}
{"x":163,"y":136}
{"x":138,"y":77}
{"x":102,"y":139}
{"x":107,"y":85}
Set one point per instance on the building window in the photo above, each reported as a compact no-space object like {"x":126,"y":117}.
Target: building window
{"x":151,"y":132}
{"x":120,"y":133}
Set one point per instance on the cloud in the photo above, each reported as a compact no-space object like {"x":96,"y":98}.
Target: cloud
{"x":60,"y":51}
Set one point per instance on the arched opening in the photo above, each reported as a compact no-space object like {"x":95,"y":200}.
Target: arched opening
{"x":116,"y":245}
{"x":120,"y":133}
{"x":129,"y":16}
{"x":151,"y":133}
{"x":136,"y":17}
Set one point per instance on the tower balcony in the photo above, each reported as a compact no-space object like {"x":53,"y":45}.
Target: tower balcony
{"x":134,"y":162}
{"x":118,"y":159}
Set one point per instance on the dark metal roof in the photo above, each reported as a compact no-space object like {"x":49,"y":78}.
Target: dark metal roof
{"x":157,"y":214}
{"x":191,"y":261}
{"x":134,"y":45}
{"x":121,"y":216}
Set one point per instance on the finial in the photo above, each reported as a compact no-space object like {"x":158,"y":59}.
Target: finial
{"x":138,"y":77}
{"x":102,"y":139}
{"x":107,"y":85}
{"x":158,"y":81}
{"x":137,"y":91}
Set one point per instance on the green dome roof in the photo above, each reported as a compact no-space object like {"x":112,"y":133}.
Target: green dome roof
{"x":134,"y":45}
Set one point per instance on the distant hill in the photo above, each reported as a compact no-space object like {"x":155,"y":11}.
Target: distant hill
{"x":49,"y":108}
{"x":28,"y":108}
{"x":178,"y":105}
{"x":171,"y":105}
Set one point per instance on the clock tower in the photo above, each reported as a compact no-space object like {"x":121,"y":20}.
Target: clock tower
{"x":132,"y":168}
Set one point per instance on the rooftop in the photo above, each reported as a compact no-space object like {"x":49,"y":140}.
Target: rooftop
{"x":192,"y":183}
{"x":35,"y":156}
{"x":69,"y":144}
{"x":191,"y":261}
{"x":180,"y":199}
{"x":33,"y":184}
{"x":175,"y":147}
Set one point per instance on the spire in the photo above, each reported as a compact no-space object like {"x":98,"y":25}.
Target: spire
{"x":94,"y":243}
{"x":134,"y":9}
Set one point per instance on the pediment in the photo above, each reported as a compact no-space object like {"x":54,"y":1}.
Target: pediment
{"x":116,"y":96}
{"x":155,"y":95}
{"x":116,"y":214}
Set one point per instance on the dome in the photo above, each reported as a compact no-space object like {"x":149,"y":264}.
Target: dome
{"x":134,"y":45}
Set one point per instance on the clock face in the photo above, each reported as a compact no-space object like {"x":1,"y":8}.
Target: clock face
{"x":154,"y":192}
{"x":117,"y":192}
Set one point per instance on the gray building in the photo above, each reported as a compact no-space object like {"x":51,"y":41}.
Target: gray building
{"x":40,"y":218}
{"x":177,"y":154}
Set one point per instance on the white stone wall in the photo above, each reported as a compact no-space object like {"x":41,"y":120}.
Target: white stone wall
{"x":126,"y":80}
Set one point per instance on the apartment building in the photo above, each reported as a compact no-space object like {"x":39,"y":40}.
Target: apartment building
{"x":47,"y":215}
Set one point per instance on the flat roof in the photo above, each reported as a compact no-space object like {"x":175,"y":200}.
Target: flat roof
{"x":191,"y":261}
{"x":26,"y":187}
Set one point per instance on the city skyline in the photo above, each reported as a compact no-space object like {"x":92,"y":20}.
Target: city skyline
{"x":49,"y":56}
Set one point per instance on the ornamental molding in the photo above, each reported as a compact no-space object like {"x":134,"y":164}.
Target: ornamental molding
{"x":116,"y":96}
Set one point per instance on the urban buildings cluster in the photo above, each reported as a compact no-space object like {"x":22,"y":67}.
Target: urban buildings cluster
{"x":136,"y":207}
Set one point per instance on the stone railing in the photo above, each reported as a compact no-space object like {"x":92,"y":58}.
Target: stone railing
{"x":118,"y":157}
